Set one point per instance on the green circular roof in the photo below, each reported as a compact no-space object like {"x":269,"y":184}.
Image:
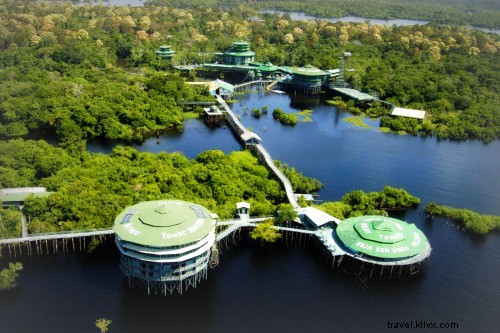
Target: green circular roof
{"x":308,"y":70}
{"x":382,"y":237}
{"x":164,"y":223}
{"x":268,"y":67}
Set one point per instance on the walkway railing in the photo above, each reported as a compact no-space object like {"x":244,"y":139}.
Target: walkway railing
{"x":236,"y":224}
{"x":236,"y":86}
{"x":284,"y":179}
{"x":57,"y":235}
{"x":238,"y":127}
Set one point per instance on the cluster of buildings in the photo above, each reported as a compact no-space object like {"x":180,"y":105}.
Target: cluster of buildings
{"x":240,"y":59}
{"x":168,"y":245}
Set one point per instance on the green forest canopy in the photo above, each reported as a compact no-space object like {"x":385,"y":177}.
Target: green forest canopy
{"x":61,"y":67}
{"x":91,"y":189}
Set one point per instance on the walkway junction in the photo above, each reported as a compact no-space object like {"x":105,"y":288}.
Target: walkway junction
{"x":168,"y":245}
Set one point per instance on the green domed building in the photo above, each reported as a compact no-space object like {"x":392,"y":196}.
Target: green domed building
{"x":165,"y":52}
{"x":239,"y":54}
{"x":307,"y":79}
{"x":165,"y":245}
{"x":383,"y":240}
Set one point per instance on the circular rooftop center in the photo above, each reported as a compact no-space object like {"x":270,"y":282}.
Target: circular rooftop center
{"x":381,"y":237}
{"x":380,"y":229}
{"x":162,"y":216}
{"x":164,"y":223}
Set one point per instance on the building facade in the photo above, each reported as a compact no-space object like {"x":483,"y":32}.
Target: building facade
{"x":165,"y":245}
{"x":239,"y":54}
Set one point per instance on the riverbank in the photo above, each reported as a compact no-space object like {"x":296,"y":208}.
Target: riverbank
{"x":370,"y":20}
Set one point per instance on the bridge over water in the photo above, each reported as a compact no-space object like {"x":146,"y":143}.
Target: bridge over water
{"x":249,"y":83}
{"x":240,"y":130}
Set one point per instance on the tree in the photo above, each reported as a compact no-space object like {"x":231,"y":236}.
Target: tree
{"x":9,"y":275}
{"x":102,"y":324}
{"x":285,"y":213}
{"x":265,"y":232}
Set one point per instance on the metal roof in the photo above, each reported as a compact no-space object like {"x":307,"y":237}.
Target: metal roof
{"x":410,"y":113}
{"x":19,"y":194}
{"x":382,"y":237}
{"x":246,"y":136}
{"x":216,"y":84}
{"x":164,"y":223}
{"x":309,"y":71}
{"x":318,"y":217}
{"x":355,"y":94}
{"x":268,"y":67}
{"x":242,"y":205}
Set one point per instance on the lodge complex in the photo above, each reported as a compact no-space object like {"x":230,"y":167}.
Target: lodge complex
{"x":168,"y":245}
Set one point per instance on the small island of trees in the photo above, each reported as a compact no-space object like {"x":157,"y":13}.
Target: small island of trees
{"x":469,"y":219}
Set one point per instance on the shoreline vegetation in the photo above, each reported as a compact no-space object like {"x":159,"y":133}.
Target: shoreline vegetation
{"x":91,"y":188}
{"x":82,"y":72}
{"x":478,"y":223}
{"x":482,"y":13}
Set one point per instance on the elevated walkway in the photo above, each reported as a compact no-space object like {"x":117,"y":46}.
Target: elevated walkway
{"x":284,"y":180}
{"x":241,"y":85}
{"x":240,"y":130}
{"x":56,"y":235}
{"x":253,"y":222}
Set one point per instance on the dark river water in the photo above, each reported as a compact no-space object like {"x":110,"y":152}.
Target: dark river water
{"x":285,"y":288}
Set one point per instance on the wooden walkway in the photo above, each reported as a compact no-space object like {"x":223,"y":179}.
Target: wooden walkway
{"x":56,"y":235}
{"x":284,"y":180}
{"x":233,"y":226}
{"x":238,"y":127}
{"x":236,"y":224}
{"x":236,"y":86}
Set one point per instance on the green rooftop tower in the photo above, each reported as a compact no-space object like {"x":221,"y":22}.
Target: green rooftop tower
{"x":165,"y":245}
{"x":239,"y":54}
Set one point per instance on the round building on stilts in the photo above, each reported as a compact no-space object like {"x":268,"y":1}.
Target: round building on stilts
{"x":165,"y":245}
{"x":383,"y":245}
